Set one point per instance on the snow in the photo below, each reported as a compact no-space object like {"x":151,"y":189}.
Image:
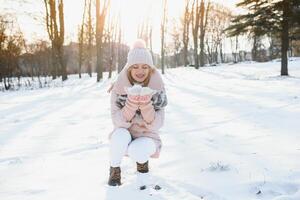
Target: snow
{"x":231,"y":133}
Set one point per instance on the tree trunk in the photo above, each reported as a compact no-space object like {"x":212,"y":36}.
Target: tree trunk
{"x":100,"y":22}
{"x":285,"y":39}
{"x":203,"y":25}
{"x":195,"y":27}
{"x":236,"y":48}
{"x":221,"y":52}
{"x":151,"y":47}
{"x":254,"y":49}
{"x":98,"y":42}
{"x":185,"y":55}
{"x":162,"y":52}
{"x":185,"y":34}
{"x":99,"y":58}
{"x":63,"y":64}
{"x":6,"y":83}
{"x":202,"y":10}
{"x":120,"y":67}
{"x":90,"y":38}
{"x":56,"y":36}
{"x":163,"y":27}
{"x":54,"y":62}
{"x":196,"y":58}
{"x":81,"y":40}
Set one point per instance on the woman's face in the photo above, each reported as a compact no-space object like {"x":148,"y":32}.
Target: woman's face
{"x":139,"y":72}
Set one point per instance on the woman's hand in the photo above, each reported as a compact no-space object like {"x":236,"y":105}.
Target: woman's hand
{"x":146,"y":107}
{"x":131,"y":104}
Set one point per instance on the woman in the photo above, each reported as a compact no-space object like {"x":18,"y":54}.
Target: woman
{"x":137,"y":109}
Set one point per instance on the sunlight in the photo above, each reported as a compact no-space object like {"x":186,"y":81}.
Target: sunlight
{"x":132,"y":12}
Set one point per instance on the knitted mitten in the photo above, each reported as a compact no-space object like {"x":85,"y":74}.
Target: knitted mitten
{"x":146,"y":107}
{"x":147,"y":112}
{"x":132,"y":102}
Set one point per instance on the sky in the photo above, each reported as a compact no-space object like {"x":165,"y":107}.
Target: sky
{"x":30,"y":16}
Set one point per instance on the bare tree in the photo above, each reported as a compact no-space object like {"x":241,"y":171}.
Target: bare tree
{"x":81,"y":40}
{"x":110,"y":40}
{"x":203,"y":24}
{"x":90,"y":37}
{"x":11,"y":46}
{"x":163,"y":31}
{"x":235,"y":48}
{"x":100,"y":23}
{"x":35,"y":61}
{"x":56,"y":30}
{"x":217,"y":20}
{"x":145,"y":32}
{"x":199,"y":23}
{"x":14,"y":46}
{"x":3,"y":36}
{"x":120,"y":47}
{"x":195,"y":30}
{"x":186,"y":30}
{"x":176,"y":42}
{"x":41,"y":57}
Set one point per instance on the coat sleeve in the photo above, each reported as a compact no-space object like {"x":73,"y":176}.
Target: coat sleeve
{"x":118,"y":119}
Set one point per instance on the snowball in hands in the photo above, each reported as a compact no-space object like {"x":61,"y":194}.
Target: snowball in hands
{"x":138,"y":90}
{"x":147,"y":91}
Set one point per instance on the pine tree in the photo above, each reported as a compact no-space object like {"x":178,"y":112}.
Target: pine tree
{"x":265,"y":16}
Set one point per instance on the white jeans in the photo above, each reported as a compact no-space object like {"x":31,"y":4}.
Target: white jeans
{"x":139,"y":150}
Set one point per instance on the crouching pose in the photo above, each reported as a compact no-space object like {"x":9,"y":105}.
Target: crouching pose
{"x":138,"y":100}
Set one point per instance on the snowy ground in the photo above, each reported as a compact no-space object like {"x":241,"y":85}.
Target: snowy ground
{"x":231,"y":133}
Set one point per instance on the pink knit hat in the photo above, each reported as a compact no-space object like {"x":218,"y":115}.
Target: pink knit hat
{"x":139,"y":54}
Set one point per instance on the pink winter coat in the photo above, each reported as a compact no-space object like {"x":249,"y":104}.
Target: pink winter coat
{"x":137,"y":126}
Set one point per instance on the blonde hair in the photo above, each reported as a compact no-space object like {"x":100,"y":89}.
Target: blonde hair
{"x":145,"y":82}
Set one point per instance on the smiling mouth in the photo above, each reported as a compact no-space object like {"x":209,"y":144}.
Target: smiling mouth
{"x":140,"y":75}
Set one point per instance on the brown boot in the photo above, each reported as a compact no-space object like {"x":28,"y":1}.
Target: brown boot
{"x":114,"y":176}
{"x":142,"y":168}
{"x":142,"y":175}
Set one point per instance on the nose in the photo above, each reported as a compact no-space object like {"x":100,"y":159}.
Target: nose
{"x":140,"y":70}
